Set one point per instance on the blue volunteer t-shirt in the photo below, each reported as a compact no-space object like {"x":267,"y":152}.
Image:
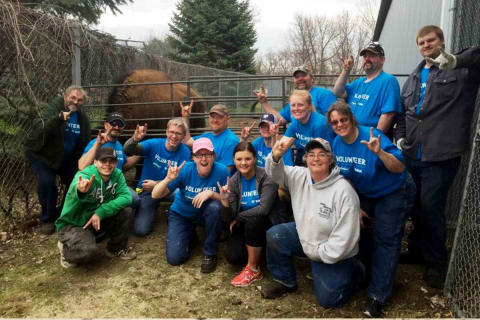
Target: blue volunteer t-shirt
{"x":190,"y":184}
{"x":250,"y":197}
{"x":423,"y":87}
{"x":223,"y":144}
{"x":115,"y":146}
{"x":369,"y":100}
{"x":72,"y":134}
{"x":364,"y":168}
{"x":263,"y":151}
{"x":322,"y":99}
{"x":315,"y":127}
{"x":156,"y":157}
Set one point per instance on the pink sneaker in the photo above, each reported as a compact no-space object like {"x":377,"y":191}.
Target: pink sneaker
{"x":246,"y":277}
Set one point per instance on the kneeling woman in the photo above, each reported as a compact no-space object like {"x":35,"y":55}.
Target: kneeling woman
{"x":375,"y":167}
{"x":249,"y":199}
{"x":326,"y":228}
{"x":196,"y":203}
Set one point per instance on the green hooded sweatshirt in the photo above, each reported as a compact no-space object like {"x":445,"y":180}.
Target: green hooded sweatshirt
{"x":105,"y":199}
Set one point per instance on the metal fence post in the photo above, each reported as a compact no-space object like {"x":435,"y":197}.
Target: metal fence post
{"x":76,"y":58}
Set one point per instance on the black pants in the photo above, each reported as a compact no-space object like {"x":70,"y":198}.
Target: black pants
{"x":251,"y":233}
{"x":79,"y":245}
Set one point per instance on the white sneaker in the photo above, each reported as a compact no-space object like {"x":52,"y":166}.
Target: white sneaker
{"x":64,"y":263}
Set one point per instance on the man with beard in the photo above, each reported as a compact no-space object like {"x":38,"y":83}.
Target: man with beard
{"x":374,"y":99}
{"x":157,"y":153}
{"x":438,"y":101}
{"x":223,"y":139}
{"x":53,"y":146}
{"x":302,"y":80}
{"x":114,"y":124}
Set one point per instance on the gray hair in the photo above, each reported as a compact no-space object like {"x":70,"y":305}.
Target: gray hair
{"x":76,"y":88}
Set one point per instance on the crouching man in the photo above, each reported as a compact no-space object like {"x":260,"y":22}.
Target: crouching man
{"x":97,"y":197}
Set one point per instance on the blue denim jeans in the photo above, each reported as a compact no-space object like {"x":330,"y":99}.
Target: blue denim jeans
{"x":180,"y":229}
{"x":47,"y":186}
{"x":334,"y":283}
{"x":433,"y":180}
{"x":145,"y":215}
{"x":380,"y":244}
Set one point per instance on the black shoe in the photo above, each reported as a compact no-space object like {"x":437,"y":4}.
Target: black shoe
{"x":435,"y":277}
{"x":47,"y":228}
{"x":411,"y":257}
{"x":209,"y":263}
{"x":275,"y":290}
{"x":373,"y":308}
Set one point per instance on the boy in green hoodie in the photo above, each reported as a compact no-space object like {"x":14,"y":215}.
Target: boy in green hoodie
{"x":97,"y":197}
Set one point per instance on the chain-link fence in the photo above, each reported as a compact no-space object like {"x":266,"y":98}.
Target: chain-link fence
{"x":35,"y":64}
{"x":462,"y":287}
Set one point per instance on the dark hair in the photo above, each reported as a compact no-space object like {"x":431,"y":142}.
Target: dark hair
{"x":430,"y":28}
{"x":343,"y":108}
{"x":245,"y":146}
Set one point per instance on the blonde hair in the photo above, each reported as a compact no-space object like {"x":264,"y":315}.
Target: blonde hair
{"x":304,"y":94}
{"x":177,"y":122}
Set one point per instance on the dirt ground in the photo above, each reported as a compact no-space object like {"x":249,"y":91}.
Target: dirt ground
{"x":33,"y":284}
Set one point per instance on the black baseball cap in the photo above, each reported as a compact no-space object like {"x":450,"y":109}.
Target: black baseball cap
{"x":105,"y":153}
{"x":115,"y":116}
{"x":374,"y":47}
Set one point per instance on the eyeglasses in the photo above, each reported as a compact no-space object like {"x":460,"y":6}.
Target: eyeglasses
{"x":320,"y":155}
{"x":342,"y":120}
{"x":175,"y":133}
{"x":117,"y":123}
{"x":205,"y":155}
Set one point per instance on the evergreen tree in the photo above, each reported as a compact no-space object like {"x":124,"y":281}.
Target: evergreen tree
{"x":214,"y":33}
{"x":87,"y":10}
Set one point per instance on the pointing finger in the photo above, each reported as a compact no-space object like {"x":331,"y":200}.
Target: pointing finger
{"x":253,"y":124}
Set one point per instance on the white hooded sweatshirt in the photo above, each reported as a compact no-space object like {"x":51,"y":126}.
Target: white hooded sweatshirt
{"x":326,"y":213}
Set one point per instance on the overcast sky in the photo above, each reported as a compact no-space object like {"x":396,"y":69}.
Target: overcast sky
{"x":145,"y":19}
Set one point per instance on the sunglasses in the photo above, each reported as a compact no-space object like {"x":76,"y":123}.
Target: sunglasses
{"x":342,"y":120}
{"x":117,"y":123}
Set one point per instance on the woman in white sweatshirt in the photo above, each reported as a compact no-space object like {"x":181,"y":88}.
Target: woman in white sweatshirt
{"x":326,"y":228}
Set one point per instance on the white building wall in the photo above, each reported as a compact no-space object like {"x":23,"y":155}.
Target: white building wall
{"x":403,"y":20}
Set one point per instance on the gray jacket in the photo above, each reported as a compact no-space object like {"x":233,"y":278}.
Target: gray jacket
{"x":326,"y":213}
{"x":267,"y":190}
{"x":442,"y":127}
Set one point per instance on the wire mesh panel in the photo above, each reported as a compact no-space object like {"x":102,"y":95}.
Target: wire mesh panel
{"x":35,"y":64}
{"x":463,"y":211}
